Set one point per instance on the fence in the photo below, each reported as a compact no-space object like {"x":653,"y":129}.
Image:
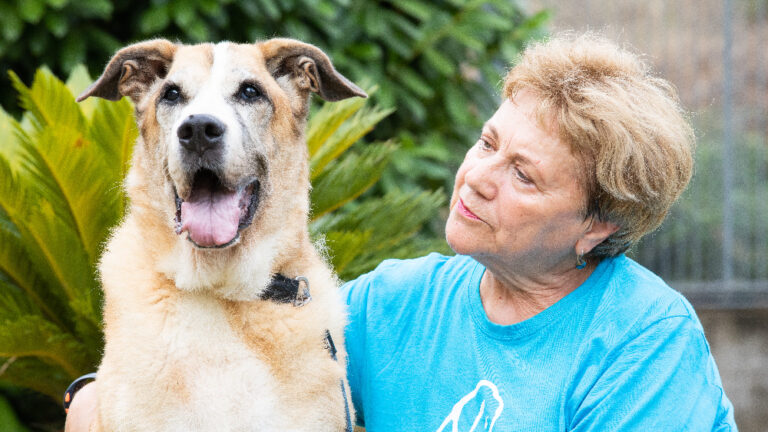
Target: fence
{"x":714,"y":245}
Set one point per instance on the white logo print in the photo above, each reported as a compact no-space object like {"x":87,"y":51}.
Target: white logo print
{"x":474,"y":412}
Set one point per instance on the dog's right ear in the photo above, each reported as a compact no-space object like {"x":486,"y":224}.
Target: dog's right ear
{"x":132,"y":70}
{"x":310,"y":67}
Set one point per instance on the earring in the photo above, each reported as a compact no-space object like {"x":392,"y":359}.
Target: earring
{"x":580,"y":261}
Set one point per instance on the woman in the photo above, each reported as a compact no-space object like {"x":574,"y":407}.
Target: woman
{"x":540,"y":322}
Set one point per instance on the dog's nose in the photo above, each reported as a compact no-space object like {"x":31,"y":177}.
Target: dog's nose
{"x":200,"y":133}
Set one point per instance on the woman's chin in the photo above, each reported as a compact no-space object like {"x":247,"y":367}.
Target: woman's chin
{"x":459,"y":240}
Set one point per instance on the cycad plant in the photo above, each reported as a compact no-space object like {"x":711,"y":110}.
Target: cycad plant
{"x":61,"y":167}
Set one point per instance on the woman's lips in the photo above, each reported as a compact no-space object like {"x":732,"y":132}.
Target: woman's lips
{"x":465,"y":211}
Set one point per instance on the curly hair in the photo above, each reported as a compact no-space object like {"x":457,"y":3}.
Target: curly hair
{"x":625,"y":125}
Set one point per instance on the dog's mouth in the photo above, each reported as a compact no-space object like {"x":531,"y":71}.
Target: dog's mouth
{"x":213,"y":215}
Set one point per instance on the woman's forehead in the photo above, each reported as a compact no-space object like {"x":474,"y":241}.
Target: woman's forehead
{"x":524,"y":134}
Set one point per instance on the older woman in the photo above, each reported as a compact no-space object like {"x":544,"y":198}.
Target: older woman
{"x":540,"y":323}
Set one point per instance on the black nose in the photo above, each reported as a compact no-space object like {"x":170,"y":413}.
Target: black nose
{"x":200,"y":133}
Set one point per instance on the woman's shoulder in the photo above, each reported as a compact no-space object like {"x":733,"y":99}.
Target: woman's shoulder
{"x":634,"y":299}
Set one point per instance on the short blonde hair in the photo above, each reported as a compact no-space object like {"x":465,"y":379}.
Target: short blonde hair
{"x":625,"y":125}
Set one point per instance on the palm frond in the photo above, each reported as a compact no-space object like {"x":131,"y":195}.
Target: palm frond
{"x":347,"y":134}
{"x":328,"y":119}
{"x":68,"y":169}
{"x":33,"y":336}
{"x":346,"y":178}
{"x":14,"y":302}
{"x":52,"y":247}
{"x":343,"y":247}
{"x":48,"y":102}
{"x":114,"y":131}
{"x":8,"y":130}
{"x":390,"y":225}
{"x":36,"y":374}
{"x":34,"y":278}
{"x":78,"y":81}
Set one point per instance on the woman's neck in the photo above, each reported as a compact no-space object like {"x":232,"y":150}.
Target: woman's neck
{"x":510,"y":298}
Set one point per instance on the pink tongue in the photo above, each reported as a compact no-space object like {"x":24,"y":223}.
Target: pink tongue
{"x":211,"y":217}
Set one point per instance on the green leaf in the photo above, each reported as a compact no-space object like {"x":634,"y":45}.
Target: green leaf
{"x":15,"y":264}
{"x":327,"y":120}
{"x":57,"y":24}
{"x":416,"y":84}
{"x":347,"y":134}
{"x":36,"y":374}
{"x":439,"y":62}
{"x":113,"y":130}
{"x":344,"y":247}
{"x":11,"y":24}
{"x":348,"y":177}
{"x":72,"y":51}
{"x":57,"y":4}
{"x":31,"y":10}
{"x":78,"y":81}
{"x":34,"y":336}
{"x":154,"y":20}
{"x":421,"y":11}
{"x":49,"y":102}
{"x":8,"y":420}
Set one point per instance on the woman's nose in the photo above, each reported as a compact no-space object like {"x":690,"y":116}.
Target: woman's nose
{"x":481,"y":178}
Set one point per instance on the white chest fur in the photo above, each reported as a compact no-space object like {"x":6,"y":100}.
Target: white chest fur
{"x":189,"y":371}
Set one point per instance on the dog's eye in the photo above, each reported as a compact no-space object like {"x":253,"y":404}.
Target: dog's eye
{"x":249,"y":93}
{"x":172,"y":94}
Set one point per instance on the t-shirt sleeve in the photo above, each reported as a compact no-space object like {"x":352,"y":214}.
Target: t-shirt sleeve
{"x":663,"y":378}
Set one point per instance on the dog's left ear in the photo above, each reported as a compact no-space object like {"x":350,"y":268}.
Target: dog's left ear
{"x":311,"y":68}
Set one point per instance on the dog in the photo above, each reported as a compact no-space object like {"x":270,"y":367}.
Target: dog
{"x":207,"y":280}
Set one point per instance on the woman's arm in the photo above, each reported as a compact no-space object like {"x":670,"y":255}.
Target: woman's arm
{"x":82,"y":412}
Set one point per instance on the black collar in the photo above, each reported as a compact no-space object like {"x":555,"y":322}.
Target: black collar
{"x":282,"y":289}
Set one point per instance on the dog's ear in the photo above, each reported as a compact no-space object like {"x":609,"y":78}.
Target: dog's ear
{"x":311,"y":68}
{"x":132,"y":70}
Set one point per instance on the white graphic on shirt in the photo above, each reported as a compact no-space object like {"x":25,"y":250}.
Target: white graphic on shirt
{"x":474,"y":410}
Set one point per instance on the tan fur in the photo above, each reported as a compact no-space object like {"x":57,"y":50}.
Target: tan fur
{"x":189,"y":345}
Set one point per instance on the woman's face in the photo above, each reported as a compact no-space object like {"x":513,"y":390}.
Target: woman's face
{"x":517,"y":197}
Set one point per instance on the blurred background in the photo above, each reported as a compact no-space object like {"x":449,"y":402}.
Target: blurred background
{"x":434,"y":68}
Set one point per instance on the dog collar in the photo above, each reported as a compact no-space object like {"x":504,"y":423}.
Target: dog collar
{"x":282,"y":289}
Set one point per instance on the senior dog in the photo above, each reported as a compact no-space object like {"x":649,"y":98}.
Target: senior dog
{"x":207,"y":317}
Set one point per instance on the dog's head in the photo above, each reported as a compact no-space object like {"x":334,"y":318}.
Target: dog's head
{"x":222,"y":129}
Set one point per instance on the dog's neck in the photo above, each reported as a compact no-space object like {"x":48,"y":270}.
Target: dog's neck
{"x":273,"y":244}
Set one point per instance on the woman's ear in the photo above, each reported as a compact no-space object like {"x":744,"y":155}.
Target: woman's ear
{"x":596,"y":233}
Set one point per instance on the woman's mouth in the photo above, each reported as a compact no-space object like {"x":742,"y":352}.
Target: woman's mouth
{"x":464,"y":211}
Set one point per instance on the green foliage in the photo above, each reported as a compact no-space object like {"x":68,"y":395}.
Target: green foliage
{"x":8,"y":420}
{"x":61,"y":167}
{"x":438,"y":61}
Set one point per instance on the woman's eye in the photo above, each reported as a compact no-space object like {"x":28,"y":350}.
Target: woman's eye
{"x":522,"y":177}
{"x":485,"y":145}
{"x":172,"y":94}
{"x":249,"y":93}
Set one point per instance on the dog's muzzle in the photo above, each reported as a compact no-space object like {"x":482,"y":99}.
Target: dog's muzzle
{"x":214,"y":215}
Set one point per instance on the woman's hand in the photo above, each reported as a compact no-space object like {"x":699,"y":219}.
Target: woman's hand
{"x":82,"y":412}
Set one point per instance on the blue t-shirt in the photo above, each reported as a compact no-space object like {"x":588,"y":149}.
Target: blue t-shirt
{"x":623,"y":352}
